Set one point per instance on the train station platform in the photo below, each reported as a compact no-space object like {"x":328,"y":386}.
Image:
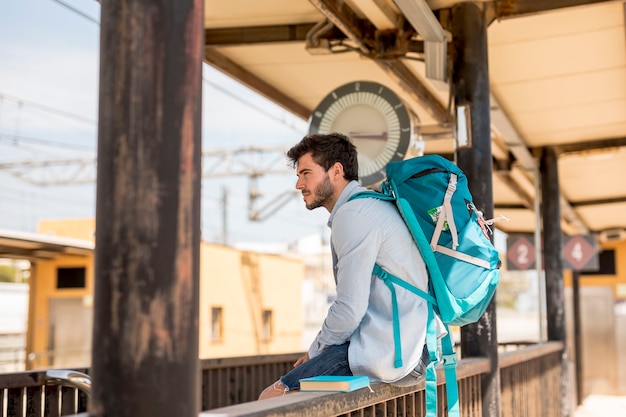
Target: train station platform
{"x":602,"y":406}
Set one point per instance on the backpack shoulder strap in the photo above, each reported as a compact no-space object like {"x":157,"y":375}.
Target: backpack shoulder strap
{"x":448,"y":354}
{"x":371,"y":194}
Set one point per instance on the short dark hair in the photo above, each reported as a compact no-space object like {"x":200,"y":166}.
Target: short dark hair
{"x":326,"y":150}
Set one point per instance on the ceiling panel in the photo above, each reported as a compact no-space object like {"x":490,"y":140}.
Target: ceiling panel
{"x":220,"y":14}
{"x":605,"y":216}
{"x":580,"y":174}
{"x":561,"y":75}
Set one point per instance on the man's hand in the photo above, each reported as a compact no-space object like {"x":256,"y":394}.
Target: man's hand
{"x":301,"y":360}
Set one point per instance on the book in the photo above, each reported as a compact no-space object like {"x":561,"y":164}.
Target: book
{"x":334,"y":383}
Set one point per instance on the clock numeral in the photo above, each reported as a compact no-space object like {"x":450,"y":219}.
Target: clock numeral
{"x":318,"y":114}
{"x":357,"y":86}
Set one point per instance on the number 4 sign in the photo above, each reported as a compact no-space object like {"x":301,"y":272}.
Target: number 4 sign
{"x":580,"y":253}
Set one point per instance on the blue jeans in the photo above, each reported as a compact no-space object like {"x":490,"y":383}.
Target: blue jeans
{"x":331,"y":361}
{"x":334,"y":361}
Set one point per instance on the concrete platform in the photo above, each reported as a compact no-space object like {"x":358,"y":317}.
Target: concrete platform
{"x":602,"y":406}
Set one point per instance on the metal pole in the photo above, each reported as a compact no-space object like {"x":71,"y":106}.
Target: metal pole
{"x":470,"y":80}
{"x":552,"y":237}
{"x":553,"y":264}
{"x":538,"y":260}
{"x":224,"y":216}
{"x":145,"y":339}
{"x":578,"y":343}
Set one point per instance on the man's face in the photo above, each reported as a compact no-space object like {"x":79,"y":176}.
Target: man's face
{"x":314,"y":183}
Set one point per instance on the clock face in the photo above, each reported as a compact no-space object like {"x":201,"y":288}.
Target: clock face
{"x":374,"y":118}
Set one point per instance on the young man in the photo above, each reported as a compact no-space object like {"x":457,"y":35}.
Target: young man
{"x":357,"y":335}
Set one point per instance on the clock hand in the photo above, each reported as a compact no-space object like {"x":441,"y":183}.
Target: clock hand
{"x":359,"y":135}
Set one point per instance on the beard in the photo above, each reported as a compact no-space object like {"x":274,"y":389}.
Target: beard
{"x":322,"y":194}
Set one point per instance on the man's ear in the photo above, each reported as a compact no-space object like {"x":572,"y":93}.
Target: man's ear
{"x":337,"y":170}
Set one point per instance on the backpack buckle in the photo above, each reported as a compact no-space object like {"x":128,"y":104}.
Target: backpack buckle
{"x":449,"y":360}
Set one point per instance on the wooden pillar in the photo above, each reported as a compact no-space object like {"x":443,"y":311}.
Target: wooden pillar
{"x":470,"y":81}
{"x":145,"y":339}
{"x":553,"y":263}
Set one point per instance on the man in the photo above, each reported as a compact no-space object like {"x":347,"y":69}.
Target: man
{"x":357,"y":335}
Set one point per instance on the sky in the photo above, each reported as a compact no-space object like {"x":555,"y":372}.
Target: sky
{"x":49,"y":61}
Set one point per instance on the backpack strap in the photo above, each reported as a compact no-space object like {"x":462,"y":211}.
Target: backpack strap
{"x":446,"y":215}
{"x":448,"y":354}
{"x":389,"y":280}
{"x":372,"y":194}
{"x":449,"y":367}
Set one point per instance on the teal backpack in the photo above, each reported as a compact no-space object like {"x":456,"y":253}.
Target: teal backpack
{"x":433,"y":198}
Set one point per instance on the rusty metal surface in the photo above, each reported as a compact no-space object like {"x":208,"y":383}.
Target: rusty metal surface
{"x":148,"y":210}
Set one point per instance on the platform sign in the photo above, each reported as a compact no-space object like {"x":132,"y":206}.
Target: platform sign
{"x":580,"y":253}
{"x":520,"y":252}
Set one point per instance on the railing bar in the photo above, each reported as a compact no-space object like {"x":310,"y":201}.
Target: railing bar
{"x":51,"y":401}
{"x":213,"y":380}
{"x":529,"y":353}
{"x":204,"y":390}
{"x":83,"y":401}
{"x":68,"y":401}
{"x":221,"y":373}
{"x":216,"y":363}
{"x":15,"y":402}
{"x":33,"y":401}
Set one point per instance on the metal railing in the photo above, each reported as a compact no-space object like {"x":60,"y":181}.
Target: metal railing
{"x":530,"y":381}
{"x":51,"y":392}
{"x":530,"y":385}
{"x":384,"y":399}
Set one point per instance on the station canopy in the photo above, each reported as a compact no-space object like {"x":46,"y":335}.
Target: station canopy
{"x":557,"y":78}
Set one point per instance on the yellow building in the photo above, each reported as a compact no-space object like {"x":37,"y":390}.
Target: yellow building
{"x":241,"y":311}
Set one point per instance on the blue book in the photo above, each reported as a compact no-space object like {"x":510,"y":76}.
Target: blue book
{"x":334,"y":383}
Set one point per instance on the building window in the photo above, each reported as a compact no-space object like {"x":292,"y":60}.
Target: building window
{"x":267,"y":326}
{"x":217,"y":328}
{"x":71,"y":277}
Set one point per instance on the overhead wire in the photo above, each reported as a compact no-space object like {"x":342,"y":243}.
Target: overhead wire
{"x":212,"y":84}
{"x":14,"y":139}
{"x":77,"y":11}
{"x":49,"y":109}
{"x":288,"y":218}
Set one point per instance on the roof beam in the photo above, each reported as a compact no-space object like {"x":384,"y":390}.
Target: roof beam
{"x":245,"y":77}
{"x":346,"y":20}
{"x":598,"y":202}
{"x":343,"y":18}
{"x":592,"y":145}
{"x":261,"y":34}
